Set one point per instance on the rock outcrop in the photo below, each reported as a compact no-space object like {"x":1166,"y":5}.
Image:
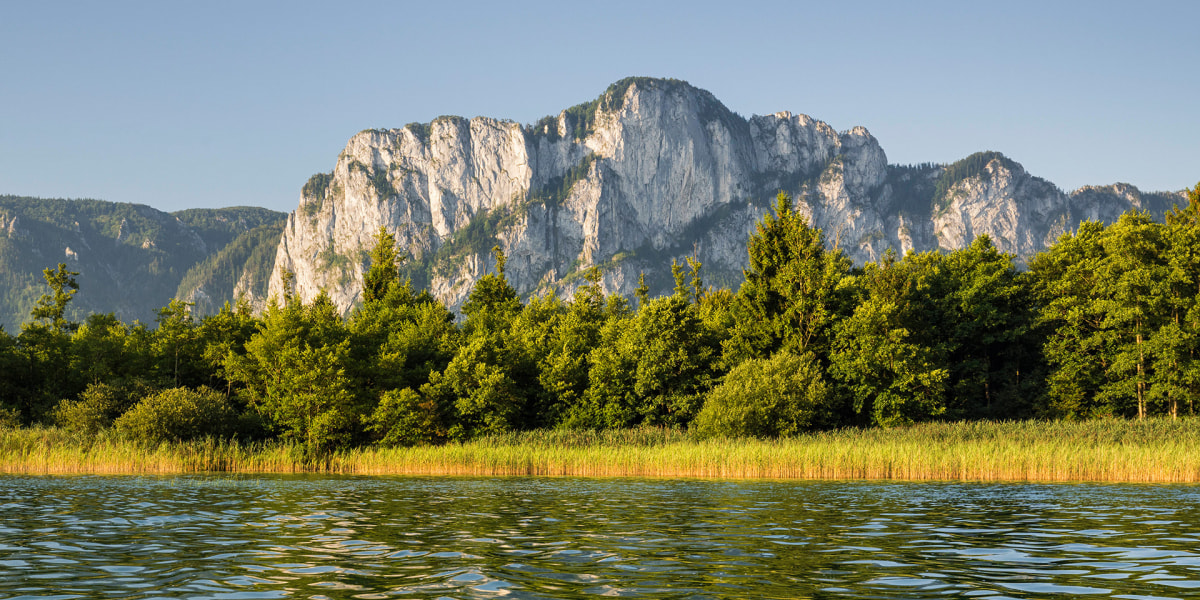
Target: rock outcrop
{"x":653,"y":170}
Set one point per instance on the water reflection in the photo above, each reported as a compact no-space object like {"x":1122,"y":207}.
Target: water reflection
{"x":345,"y":537}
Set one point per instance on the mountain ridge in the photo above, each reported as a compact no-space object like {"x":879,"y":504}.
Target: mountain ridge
{"x":130,"y":258}
{"x":651,"y":170}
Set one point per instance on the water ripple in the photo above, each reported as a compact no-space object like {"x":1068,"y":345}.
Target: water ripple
{"x":348,"y":537}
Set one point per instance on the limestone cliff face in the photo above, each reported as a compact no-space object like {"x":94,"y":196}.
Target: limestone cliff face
{"x":1022,"y":214}
{"x":1106,"y":203}
{"x":651,"y":171}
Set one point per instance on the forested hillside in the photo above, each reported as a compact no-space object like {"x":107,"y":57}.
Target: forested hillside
{"x":130,"y":258}
{"x":1105,"y":323}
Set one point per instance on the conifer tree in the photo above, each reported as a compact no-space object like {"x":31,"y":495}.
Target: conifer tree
{"x":789,"y":298}
{"x":384,"y":271}
{"x":51,"y":308}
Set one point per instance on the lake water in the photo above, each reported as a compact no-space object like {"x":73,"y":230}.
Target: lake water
{"x":439,"y":537}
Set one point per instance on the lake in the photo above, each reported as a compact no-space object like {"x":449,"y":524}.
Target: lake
{"x":443,"y":537}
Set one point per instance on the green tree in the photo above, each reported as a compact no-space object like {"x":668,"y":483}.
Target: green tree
{"x":491,"y":382}
{"x":294,"y":373}
{"x":51,"y":308}
{"x":45,"y":351}
{"x":543,"y":330}
{"x":46,"y":357}
{"x":887,"y":353}
{"x":1114,"y":301}
{"x":398,"y":340}
{"x":177,"y":346}
{"x":560,"y":337}
{"x":767,"y":397}
{"x":1174,"y":348}
{"x":384,"y":271}
{"x":493,"y":303}
{"x":652,"y":368}
{"x":487,"y":399}
{"x":642,"y":291}
{"x":985,"y":311}
{"x":11,"y":369}
{"x":1134,"y":288}
{"x":407,"y":418}
{"x":1066,"y":287}
{"x":221,"y":335}
{"x":396,"y":343}
{"x":98,"y":406}
{"x":103,"y":351}
{"x":789,"y":299}
{"x":178,"y":414}
{"x":610,"y":400}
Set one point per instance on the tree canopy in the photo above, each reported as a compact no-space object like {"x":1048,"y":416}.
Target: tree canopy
{"x":1104,"y":323}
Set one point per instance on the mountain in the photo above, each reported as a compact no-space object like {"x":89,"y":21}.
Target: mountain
{"x":131,"y":258}
{"x":651,"y":171}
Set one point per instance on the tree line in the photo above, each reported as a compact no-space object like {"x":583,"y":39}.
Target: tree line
{"x":1105,"y":322}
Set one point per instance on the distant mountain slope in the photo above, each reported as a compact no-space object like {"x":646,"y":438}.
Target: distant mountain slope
{"x":131,"y":258}
{"x":241,"y":269}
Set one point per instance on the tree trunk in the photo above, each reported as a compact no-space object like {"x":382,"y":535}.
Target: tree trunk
{"x":1141,"y":382}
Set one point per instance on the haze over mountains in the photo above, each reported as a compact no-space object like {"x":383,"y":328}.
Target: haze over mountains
{"x":652,"y":170}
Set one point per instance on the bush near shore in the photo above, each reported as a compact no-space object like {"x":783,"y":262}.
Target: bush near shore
{"x":1110,"y":450}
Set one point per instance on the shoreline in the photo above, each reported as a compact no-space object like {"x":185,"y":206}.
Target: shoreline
{"x":1109,"y":451}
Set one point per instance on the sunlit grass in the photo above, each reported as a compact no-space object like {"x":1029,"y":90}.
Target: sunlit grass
{"x":1157,"y":450}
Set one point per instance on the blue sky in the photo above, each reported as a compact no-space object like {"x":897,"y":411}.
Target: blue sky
{"x":208,"y":104}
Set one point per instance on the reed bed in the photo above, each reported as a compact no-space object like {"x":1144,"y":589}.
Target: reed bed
{"x":1152,"y":451}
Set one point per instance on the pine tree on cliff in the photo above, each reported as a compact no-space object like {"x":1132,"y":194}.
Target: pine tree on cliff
{"x":384,"y":270}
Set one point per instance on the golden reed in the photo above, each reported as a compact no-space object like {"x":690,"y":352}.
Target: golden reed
{"x":1152,"y":451}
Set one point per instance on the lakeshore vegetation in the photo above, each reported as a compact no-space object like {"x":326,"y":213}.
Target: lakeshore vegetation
{"x":1155,"y":450}
{"x":951,"y":365}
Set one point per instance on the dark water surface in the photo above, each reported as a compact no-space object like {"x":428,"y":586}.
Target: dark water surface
{"x":360,"y":537}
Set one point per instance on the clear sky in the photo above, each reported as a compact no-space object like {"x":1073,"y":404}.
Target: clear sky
{"x":206,"y":104}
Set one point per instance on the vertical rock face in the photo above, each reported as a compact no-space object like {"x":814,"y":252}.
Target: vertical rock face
{"x":652,"y":170}
{"x":1022,"y":214}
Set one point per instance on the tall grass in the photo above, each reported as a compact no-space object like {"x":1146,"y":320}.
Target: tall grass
{"x":1156,"y":450}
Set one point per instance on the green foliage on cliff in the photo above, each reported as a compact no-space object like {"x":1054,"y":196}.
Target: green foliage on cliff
{"x":314,"y":189}
{"x":913,"y":188}
{"x":546,"y":127}
{"x":420,"y":130}
{"x":971,"y":166}
{"x":557,"y":189}
{"x":383,"y":187}
{"x":218,"y":227}
{"x":613,"y":98}
{"x":476,"y":238}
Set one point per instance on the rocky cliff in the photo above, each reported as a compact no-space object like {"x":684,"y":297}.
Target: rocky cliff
{"x":652,"y":170}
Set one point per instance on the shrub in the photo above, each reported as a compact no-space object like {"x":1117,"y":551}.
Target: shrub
{"x":98,"y":406}
{"x":405,"y":418}
{"x":179,"y":414}
{"x":10,"y":418}
{"x":782,"y":395}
